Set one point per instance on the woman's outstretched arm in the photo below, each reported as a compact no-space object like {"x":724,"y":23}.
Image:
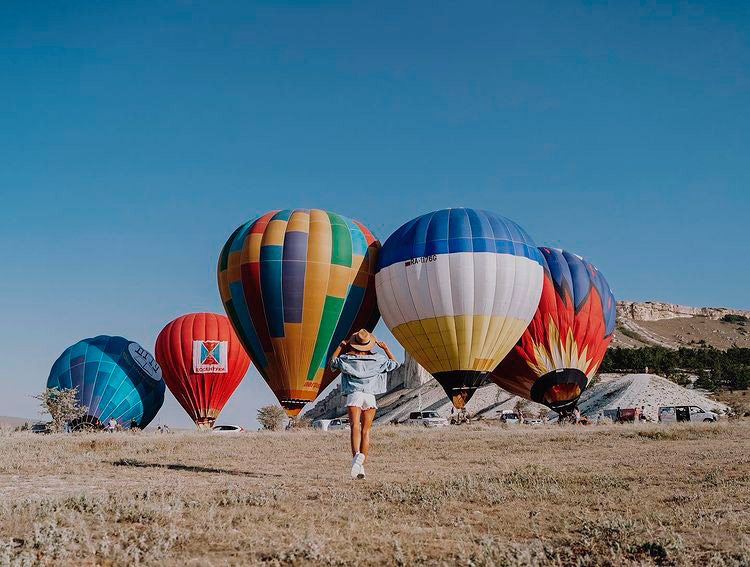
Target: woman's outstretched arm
{"x":385,"y":348}
{"x":337,"y":352}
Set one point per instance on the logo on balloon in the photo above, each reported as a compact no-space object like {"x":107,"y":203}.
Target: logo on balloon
{"x":421,"y":260}
{"x":145,"y":361}
{"x":210,"y":356}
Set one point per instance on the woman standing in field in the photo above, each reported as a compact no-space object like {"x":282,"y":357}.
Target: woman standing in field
{"x":362,"y":376}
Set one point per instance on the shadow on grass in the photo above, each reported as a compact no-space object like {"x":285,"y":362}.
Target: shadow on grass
{"x":188,"y":468}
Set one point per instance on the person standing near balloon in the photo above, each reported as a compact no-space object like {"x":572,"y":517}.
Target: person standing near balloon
{"x":363,"y":375}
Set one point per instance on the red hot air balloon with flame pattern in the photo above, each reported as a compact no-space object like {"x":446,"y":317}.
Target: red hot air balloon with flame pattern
{"x":563,"y":346}
{"x":203,"y":362}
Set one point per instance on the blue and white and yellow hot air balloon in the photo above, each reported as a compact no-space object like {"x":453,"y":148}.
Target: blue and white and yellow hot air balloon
{"x":457,"y":288}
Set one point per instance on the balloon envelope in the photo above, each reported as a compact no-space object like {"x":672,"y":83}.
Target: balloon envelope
{"x":295,"y":283}
{"x":457,"y":288}
{"x":565,"y":343}
{"x":203,"y":362}
{"x":116,"y":378}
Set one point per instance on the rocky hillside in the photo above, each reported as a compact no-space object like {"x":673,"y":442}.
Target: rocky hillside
{"x":656,"y":311}
{"x":672,"y":326}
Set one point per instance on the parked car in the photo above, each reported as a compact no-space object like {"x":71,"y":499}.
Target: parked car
{"x":626,"y":415}
{"x":338,"y":423}
{"x":227,"y":429}
{"x":510,"y":417}
{"x":40,"y":427}
{"x":672,"y":414}
{"x":321,"y":424}
{"x":533,"y":421}
{"x":426,"y":419}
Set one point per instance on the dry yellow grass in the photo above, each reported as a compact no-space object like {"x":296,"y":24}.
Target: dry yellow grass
{"x":478,"y":495}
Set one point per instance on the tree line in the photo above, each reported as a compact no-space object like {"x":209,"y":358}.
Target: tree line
{"x":716,"y":369}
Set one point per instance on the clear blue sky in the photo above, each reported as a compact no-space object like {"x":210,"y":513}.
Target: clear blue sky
{"x":135,"y":136}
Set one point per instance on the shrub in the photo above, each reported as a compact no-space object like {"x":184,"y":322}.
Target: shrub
{"x":62,"y":405}
{"x":271,"y":417}
{"x":299,"y":422}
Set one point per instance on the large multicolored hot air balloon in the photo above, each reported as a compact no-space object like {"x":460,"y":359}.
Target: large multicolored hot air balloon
{"x":203,"y":362}
{"x":116,"y":378}
{"x":457,"y":288}
{"x":565,"y":343}
{"x":295,"y":283}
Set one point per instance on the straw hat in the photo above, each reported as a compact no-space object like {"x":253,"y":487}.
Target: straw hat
{"x":362,"y":340}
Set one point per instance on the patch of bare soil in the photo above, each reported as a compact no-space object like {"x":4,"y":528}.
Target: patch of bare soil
{"x":470,"y":495}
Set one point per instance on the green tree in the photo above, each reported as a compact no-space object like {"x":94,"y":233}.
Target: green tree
{"x":705,"y":381}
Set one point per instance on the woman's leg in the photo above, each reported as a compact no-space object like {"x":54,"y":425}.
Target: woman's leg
{"x":356,"y":428}
{"x":367,"y":416}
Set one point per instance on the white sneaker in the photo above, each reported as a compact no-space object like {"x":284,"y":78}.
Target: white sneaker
{"x":357,"y":461}
{"x":361,"y":474}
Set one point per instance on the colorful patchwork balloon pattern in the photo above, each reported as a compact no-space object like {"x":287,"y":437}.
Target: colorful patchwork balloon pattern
{"x":295,"y":283}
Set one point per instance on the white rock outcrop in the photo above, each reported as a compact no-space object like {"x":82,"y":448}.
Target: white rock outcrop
{"x":656,"y":311}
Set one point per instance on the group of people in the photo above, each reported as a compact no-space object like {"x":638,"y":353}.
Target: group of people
{"x":113,"y":425}
{"x":638,"y":414}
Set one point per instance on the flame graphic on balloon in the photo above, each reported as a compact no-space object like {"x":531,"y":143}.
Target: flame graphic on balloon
{"x":561,"y":353}
{"x":565,"y":342}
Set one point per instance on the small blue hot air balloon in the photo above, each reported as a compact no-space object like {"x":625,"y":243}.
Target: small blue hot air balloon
{"x":116,"y":378}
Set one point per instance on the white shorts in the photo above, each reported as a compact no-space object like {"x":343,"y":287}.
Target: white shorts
{"x":361,"y":400}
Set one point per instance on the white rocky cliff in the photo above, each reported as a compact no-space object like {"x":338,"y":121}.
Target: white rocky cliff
{"x":656,"y":311}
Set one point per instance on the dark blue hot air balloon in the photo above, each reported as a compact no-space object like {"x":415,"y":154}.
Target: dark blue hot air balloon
{"x":116,"y":378}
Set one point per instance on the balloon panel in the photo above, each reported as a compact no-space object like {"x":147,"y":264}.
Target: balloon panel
{"x":203,"y":362}
{"x":115,"y":378}
{"x":294,"y":284}
{"x":457,"y":288}
{"x":566,"y":341}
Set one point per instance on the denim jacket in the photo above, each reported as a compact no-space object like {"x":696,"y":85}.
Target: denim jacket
{"x":365,"y":373}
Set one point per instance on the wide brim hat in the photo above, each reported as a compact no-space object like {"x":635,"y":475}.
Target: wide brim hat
{"x":362,"y":340}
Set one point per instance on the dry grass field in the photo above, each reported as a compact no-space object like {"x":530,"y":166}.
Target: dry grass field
{"x":475,"y":495}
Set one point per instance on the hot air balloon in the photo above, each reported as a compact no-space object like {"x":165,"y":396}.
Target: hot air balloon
{"x":565,"y":343}
{"x":295,"y":283}
{"x":457,"y":288}
{"x":115,"y":378}
{"x":203,"y":362}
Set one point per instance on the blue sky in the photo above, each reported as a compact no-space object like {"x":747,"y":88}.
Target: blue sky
{"x":136,"y":136}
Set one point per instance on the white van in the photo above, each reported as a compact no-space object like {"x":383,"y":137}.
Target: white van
{"x":673,"y":414}
{"x":426,"y":419}
{"x":509,"y":417}
{"x":331,"y":424}
{"x":338,"y":423}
